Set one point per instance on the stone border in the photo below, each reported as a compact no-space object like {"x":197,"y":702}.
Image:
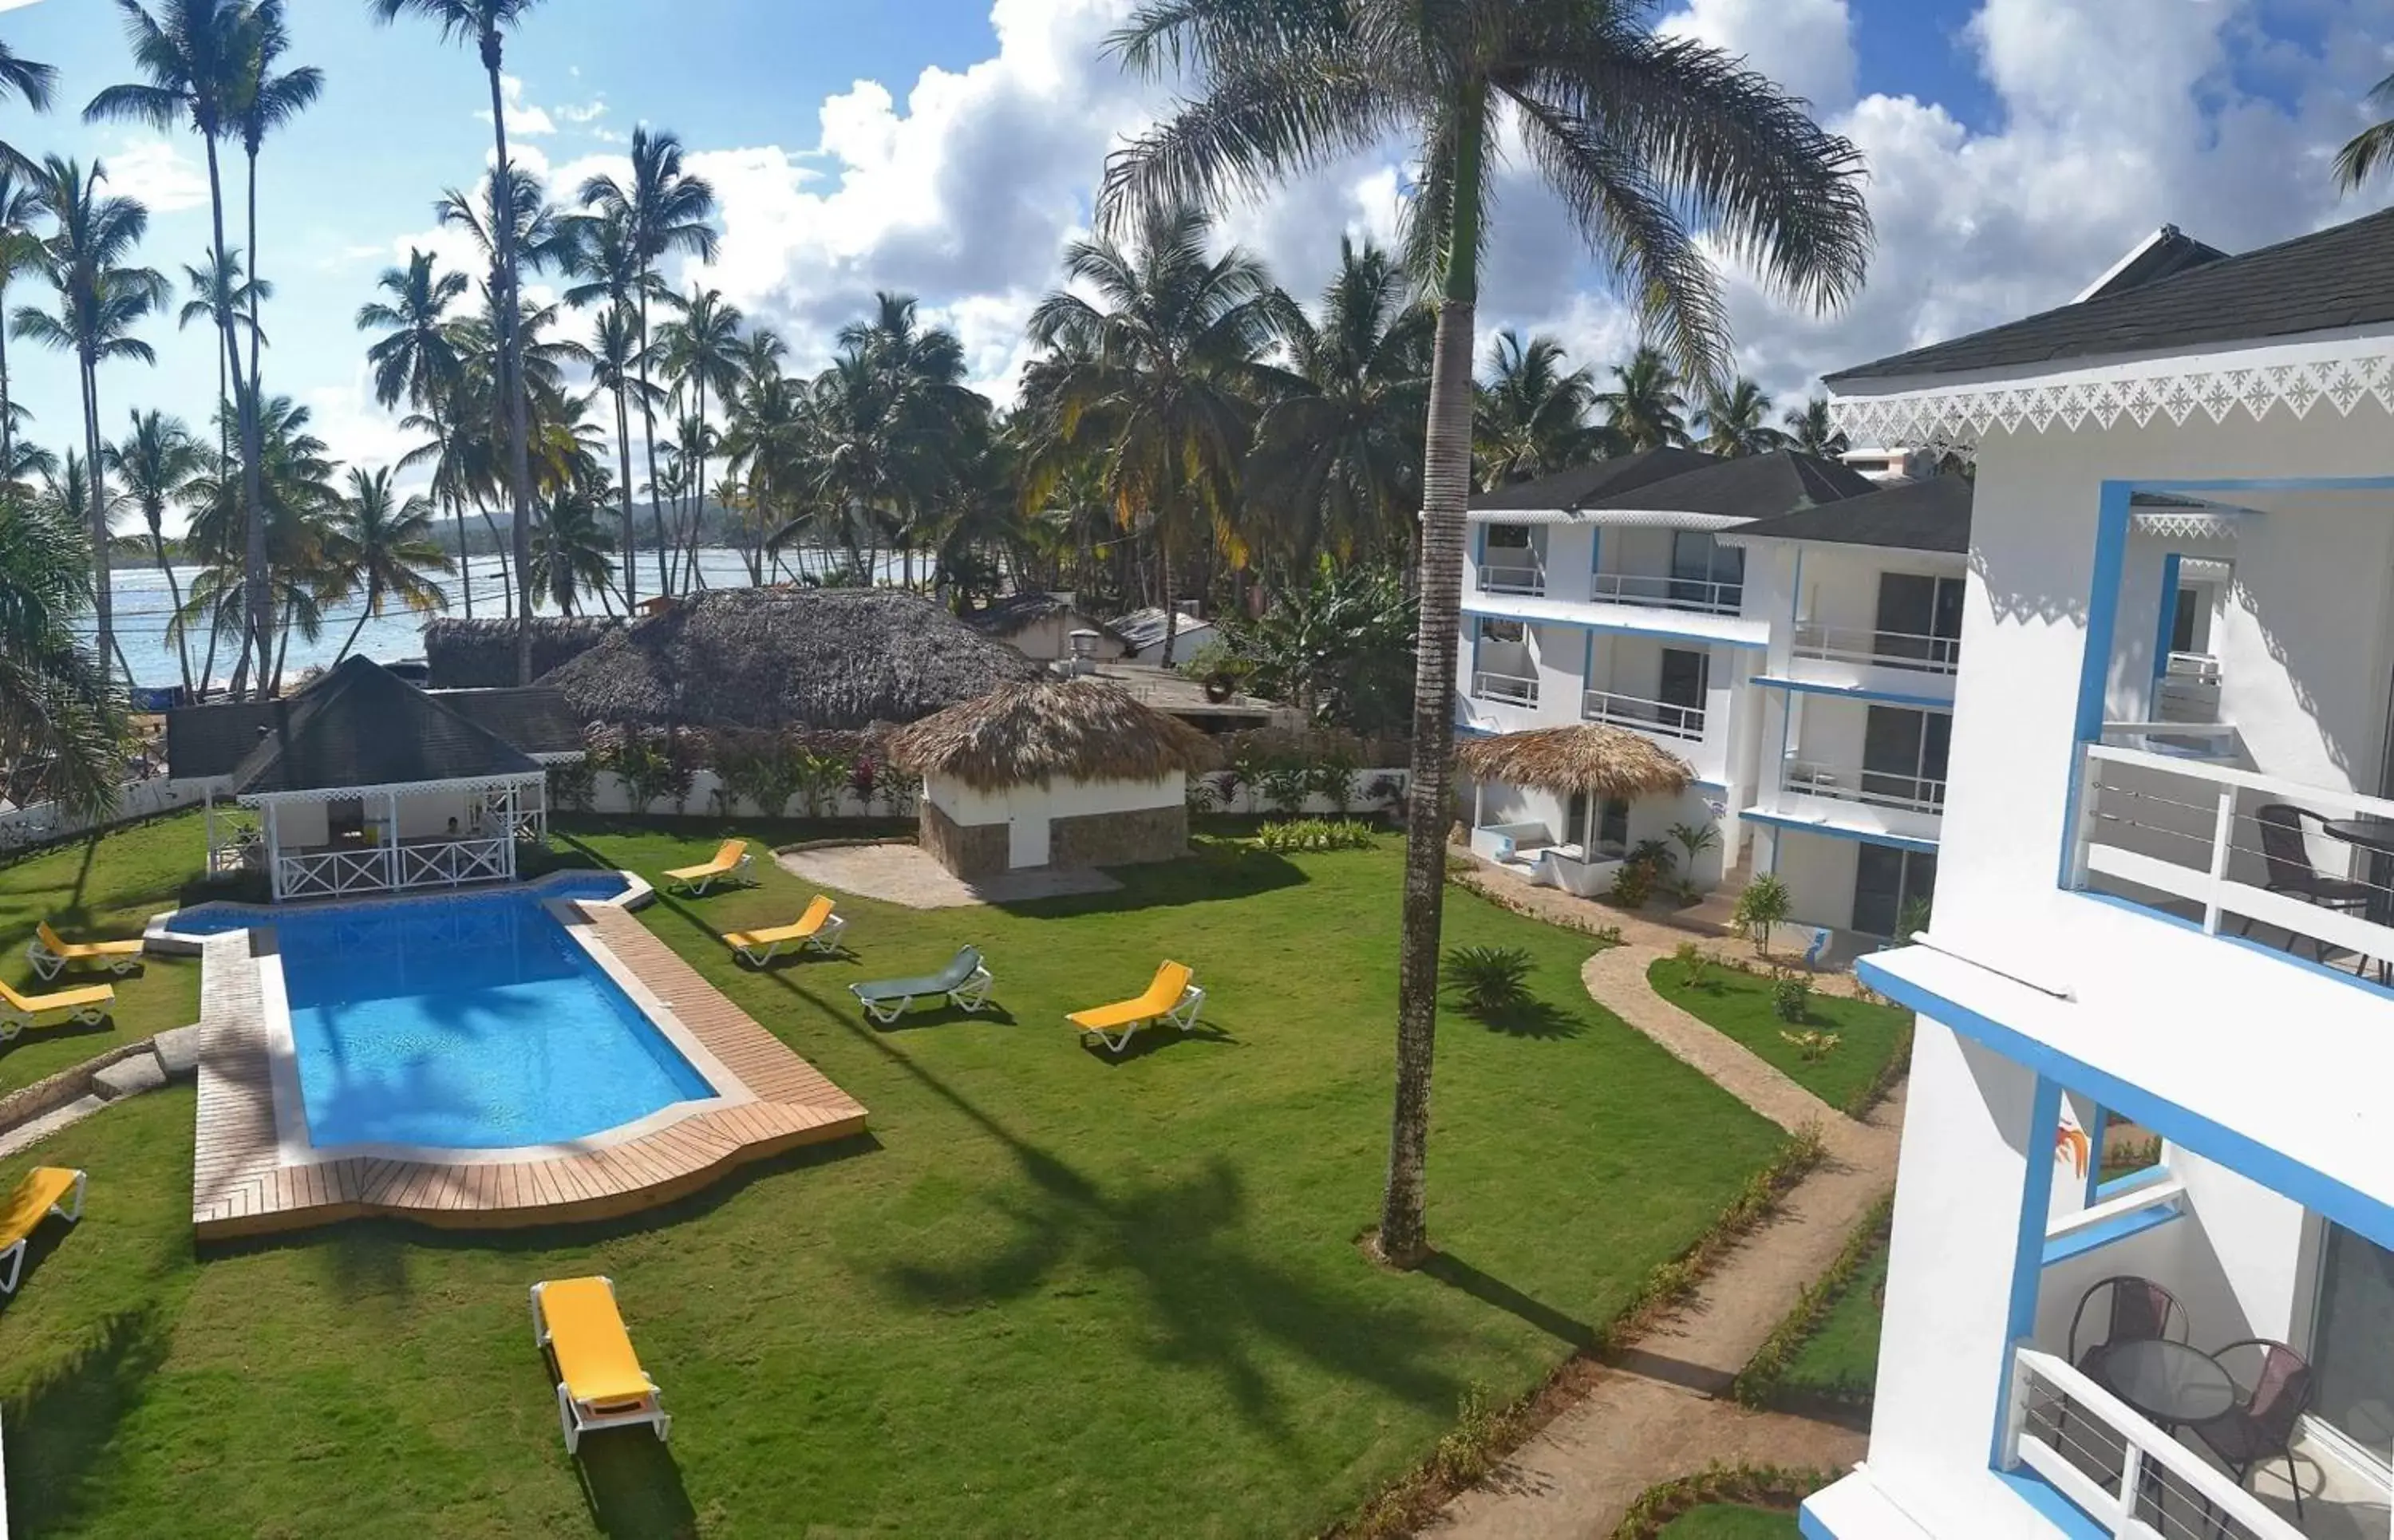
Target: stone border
{"x":54,"y":1091}
{"x":159,"y":938}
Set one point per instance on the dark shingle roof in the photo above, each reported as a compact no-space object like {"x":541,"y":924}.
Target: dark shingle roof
{"x":1582,"y":485}
{"x":531,"y":718}
{"x":2166,"y":253}
{"x":1015,"y":611}
{"x":1748,"y":486}
{"x":2339,"y":277}
{"x":360,"y":726}
{"x":1930,"y":515}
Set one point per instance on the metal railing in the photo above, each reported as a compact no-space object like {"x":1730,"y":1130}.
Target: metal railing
{"x":1520,"y":573}
{"x":2131,"y":1478}
{"x":1669,"y":593}
{"x":1511,"y":689}
{"x":1885,"y":649}
{"x":1876,"y":788}
{"x":1662,"y":717}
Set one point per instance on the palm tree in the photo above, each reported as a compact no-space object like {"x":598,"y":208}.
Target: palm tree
{"x":1336,"y":464}
{"x":1811,"y":429}
{"x":1651,"y":142}
{"x":2368,"y":151}
{"x":21,"y":205}
{"x":1646,"y":408}
{"x":1161,"y":381}
{"x":1736,"y":421}
{"x":265,"y":102}
{"x":220,"y":296}
{"x":1530,"y":418}
{"x":155,"y":463}
{"x":570,"y":555}
{"x":913,"y":376}
{"x":100,"y":298}
{"x":700,"y":352}
{"x":382,"y":546}
{"x":486,"y":23}
{"x":60,"y":724}
{"x":194,"y":54}
{"x":662,"y":209}
{"x":616,"y":360}
{"x":416,"y":360}
{"x":31,"y":82}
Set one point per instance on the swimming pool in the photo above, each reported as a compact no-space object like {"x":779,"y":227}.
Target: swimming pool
{"x":467,"y":1023}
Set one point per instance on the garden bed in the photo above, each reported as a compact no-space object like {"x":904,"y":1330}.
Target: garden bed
{"x":1872,"y":1041}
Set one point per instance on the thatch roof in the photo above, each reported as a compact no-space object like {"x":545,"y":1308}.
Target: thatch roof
{"x":787,"y":657}
{"x":1604,"y":761}
{"x":480,"y":653}
{"x":1033,"y":732}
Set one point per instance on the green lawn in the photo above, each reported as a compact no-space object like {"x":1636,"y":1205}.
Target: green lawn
{"x":1739,"y":1005}
{"x":1839,"y":1361}
{"x":1729,"y":1521}
{"x":1049,"y":1293}
{"x":90,"y":890}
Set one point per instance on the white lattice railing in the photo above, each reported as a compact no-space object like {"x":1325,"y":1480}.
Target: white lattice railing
{"x":1670,"y":593}
{"x":1515,"y":571}
{"x":1885,"y":649}
{"x":2131,"y":1478}
{"x":325,"y":874}
{"x":446,"y":865}
{"x":1662,"y":718}
{"x":385,"y":868}
{"x":1919,"y":794}
{"x":1511,"y":689}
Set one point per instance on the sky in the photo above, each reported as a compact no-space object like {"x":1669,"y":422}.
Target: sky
{"x":948,"y":149}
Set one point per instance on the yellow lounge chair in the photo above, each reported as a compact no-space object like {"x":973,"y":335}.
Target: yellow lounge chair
{"x":43,"y":1191}
{"x":599,"y":1383}
{"x":88,"y":1006}
{"x":816,"y":930}
{"x":49,"y":954}
{"x":1174,"y":997}
{"x":731,"y":860}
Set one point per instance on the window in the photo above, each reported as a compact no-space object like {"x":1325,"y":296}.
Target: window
{"x":1508,"y":631}
{"x":2182,"y":624}
{"x":1919,"y":618}
{"x":2352,"y":1341}
{"x":1685,"y":677}
{"x":1612,"y":827}
{"x":1509,"y":537}
{"x":1885,"y":880}
{"x":1706,"y":573}
{"x":1904,"y":755}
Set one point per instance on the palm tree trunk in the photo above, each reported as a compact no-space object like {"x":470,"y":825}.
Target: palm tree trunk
{"x":649,"y":435}
{"x":506,"y":572}
{"x":282,"y":648}
{"x":374,"y":596}
{"x":448,"y":493}
{"x":216,"y":633}
{"x":511,"y":368}
{"x":253,"y":485}
{"x":8,"y":424}
{"x":1403,"y":1239}
{"x":103,"y":606}
{"x":254,"y":376}
{"x":624,"y":459}
{"x":174,"y":597}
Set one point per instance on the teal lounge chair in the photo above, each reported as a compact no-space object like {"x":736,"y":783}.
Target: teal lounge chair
{"x":964,"y":981}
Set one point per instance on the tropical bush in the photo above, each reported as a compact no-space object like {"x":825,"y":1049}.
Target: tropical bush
{"x":1340,"y":650}
{"x":1695,"y":968}
{"x":1315,"y":834}
{"x":1487,"y":979}
{"x":1764,"y":903}
{"x":1633,"y":884}
{"x":572,"y":785}
{"x":1791,"y":999}
{"x":1811,"y":1047}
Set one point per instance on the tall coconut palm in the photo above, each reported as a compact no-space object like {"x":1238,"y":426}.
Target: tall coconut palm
{"x":194,"y":54}
{"x":220,"y":296}
{"x":1737,"y":420}
{"x":1531,"y":416}
{"x":380,"y":547}
{"x":1646,"y":407}
{"x":265,"y":102}
{"x":700,"y":352}
{"x":1336,"y":464}
{"x":31,"y":84}
{"x":485,"y":23}
{"x":2372,"y":150}
{"x":615,"y":358}
{"x":60,"y":722}
{"x":155,"y":463}
{"x":570,"y":556}
{"x":1654,"y":143}
{"x":416,"y":362}
{"x":916,"y":374}
{"x":598,"y":251}
{"x":1811,"y":429}
{"x":1161,"y":382}
{"x":102,"y":297}
{"x":21,"y":205}
{"x":661,"y":209}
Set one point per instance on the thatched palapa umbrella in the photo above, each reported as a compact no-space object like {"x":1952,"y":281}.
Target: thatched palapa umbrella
{"x":776,"y":658}
{"x":1591,"y":757}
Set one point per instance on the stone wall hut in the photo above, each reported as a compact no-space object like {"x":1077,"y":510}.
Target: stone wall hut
{"x":1052,"y":772}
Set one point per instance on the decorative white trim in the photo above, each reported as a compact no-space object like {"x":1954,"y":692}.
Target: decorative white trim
{"x":2209,"y":524}
{"x":2297,"y":378}
{"x":2195,"y":569}
{"x":403,"y":788}
{"x":1610,"y":519}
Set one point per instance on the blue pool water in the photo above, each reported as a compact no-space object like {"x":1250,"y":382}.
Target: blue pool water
{"x":471,"y":1022}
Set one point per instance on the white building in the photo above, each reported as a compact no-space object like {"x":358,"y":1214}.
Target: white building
{"x":2148,"y":918}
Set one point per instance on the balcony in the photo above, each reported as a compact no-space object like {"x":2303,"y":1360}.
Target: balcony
{"x":1512,"y":572}
{"x":1668,"y":593}
{"x":1917,"y":793}
{"x":1880,"y":648}
{"x":2189,"y":689}
{"x":1664,"y":718}
{"x":1507,"y":689}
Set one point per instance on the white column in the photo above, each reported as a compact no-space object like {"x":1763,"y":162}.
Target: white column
{"x":391,"y":840}
{"x":274,"y":850}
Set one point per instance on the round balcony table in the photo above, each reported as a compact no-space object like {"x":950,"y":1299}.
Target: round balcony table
{"x":2375,"y":835}
{"x":2172,"y":1385}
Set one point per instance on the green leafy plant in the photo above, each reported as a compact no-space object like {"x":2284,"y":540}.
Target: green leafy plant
{"x":1333,"y":778}
{"x":1315,"y":834}
{"x":1695,"y":968}
{"x":1912,"y":919}
{"x":1764,"y":903}
{"x":572,"y":783}
{"x":1484,"y":979}
{"x":1656,"y":856}
{"x":1791,"y":999}
{"x":1811,"y":1047}
{"x":1200,"y":796}
{"x":1632,"y":884}
{"x":1696,"y":838}
{"x":864,"y":779}
{"x":1285,"y":784}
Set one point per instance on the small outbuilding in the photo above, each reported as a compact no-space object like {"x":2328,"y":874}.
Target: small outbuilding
{"x":1052,"y":772}
{"x":1584,"y":776}
{"x":1043,"y":626}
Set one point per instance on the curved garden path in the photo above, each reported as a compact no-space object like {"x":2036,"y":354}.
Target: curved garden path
{"x":1660,"y":1410}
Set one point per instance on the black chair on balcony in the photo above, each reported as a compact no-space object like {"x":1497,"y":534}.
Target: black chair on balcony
{"x":2273,"y":1389}
{"x":2138,"y":1310}
{"x":2288,"y":861}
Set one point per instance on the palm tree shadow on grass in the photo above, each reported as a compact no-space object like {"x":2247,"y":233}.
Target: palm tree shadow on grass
{"x":1212,"y":871}
{"x":1532,"y":1018}
{"x":61,"y":1426}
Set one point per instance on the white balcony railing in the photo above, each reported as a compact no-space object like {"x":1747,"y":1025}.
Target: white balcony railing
{"x":2131,"y":1478}
{"x":2189,"y":689}
{"x":1876,"y":788}
{"x":1664,"y":718}
{"x":1669,"y":593}
{"x":1883,"y":649}
{"x":385,"y":868}
{"x":1513,"y":572}
{"x":1511,"y":689}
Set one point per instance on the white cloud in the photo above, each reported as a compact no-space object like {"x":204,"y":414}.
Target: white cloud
{"x":520,"y":118}
{"x":1805,"y":46}
{"x":159,"y":174}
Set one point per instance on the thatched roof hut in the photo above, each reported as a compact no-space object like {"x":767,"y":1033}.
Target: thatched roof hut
{"x":1045,"y":730}
{"x":480,"y":653}
{"x":787,"y":657}
{"x":1602,"y":761}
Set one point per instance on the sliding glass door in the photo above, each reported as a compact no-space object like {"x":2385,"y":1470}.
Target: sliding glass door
{"x":2352,"y":1343}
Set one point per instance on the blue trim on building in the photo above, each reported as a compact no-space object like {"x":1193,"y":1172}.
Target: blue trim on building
{"x":1864,"y":837}
{"x":2121,"y":1186}
{"x":2111,"y":1231}
{"x":2279,"y":954}
{"x":1808,"y":1524}
{"x":2095,"y":664}
{"x":2028,"y":1244}
{"x":2094,"y":1155}
{"x":1856,"y":692}
{"x":2370,"y":1217}
{"x":2165,"y":631}
{"x":2051,"y":1506}
{"x":1700,"y":638}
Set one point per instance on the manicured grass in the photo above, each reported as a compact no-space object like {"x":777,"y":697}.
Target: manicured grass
{"x":1839,"y":1361}
{"x":1739,"y":1005}
{"x":1050,"y":1294}
{"x":1729,"y":1521}
{"x":91,"y":889}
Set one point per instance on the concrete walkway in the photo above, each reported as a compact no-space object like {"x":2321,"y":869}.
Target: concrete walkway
{"x":1660,"y":1412}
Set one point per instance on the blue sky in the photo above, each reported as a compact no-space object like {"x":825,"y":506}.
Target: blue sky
{"x":948,"y":148}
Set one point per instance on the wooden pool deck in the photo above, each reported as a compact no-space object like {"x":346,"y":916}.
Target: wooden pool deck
{"x":242,"y":1186}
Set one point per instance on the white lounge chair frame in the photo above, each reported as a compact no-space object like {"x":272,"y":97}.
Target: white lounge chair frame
{"x":13,"y":1021}
{"x":1182,"y":1015}
{"x":49,"y":965}
{"x":696,"y":887}
{"x":14,"y":1257}
{"x":577,"y":1419}
{"x":970,"y":996}
{"x":826,"y":940}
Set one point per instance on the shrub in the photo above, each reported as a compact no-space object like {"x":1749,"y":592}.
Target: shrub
{"x":1315,"y":834}
{"x":900,"y":788}
{"x":1488,"y":978}
{"x":1791,"y":999}
{"x":1387,"y":791}
{"x":1632,"y":886}
{"x":1333,"y":779}
{"x":1226,"y":786}
{"x":1200,"y":796}
{"x":1911,"y":919}
{"x":1285,"y":784}
{"x":1811,"y":1047}
{"x":1696,"y":838}
{"x":650,"y":769}
{"x":572,"y":783}
{"x":1764,"y":903}
{"x":1655,"y":856}
{"x":1695,"y":968}
{"x":864,"y":779}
